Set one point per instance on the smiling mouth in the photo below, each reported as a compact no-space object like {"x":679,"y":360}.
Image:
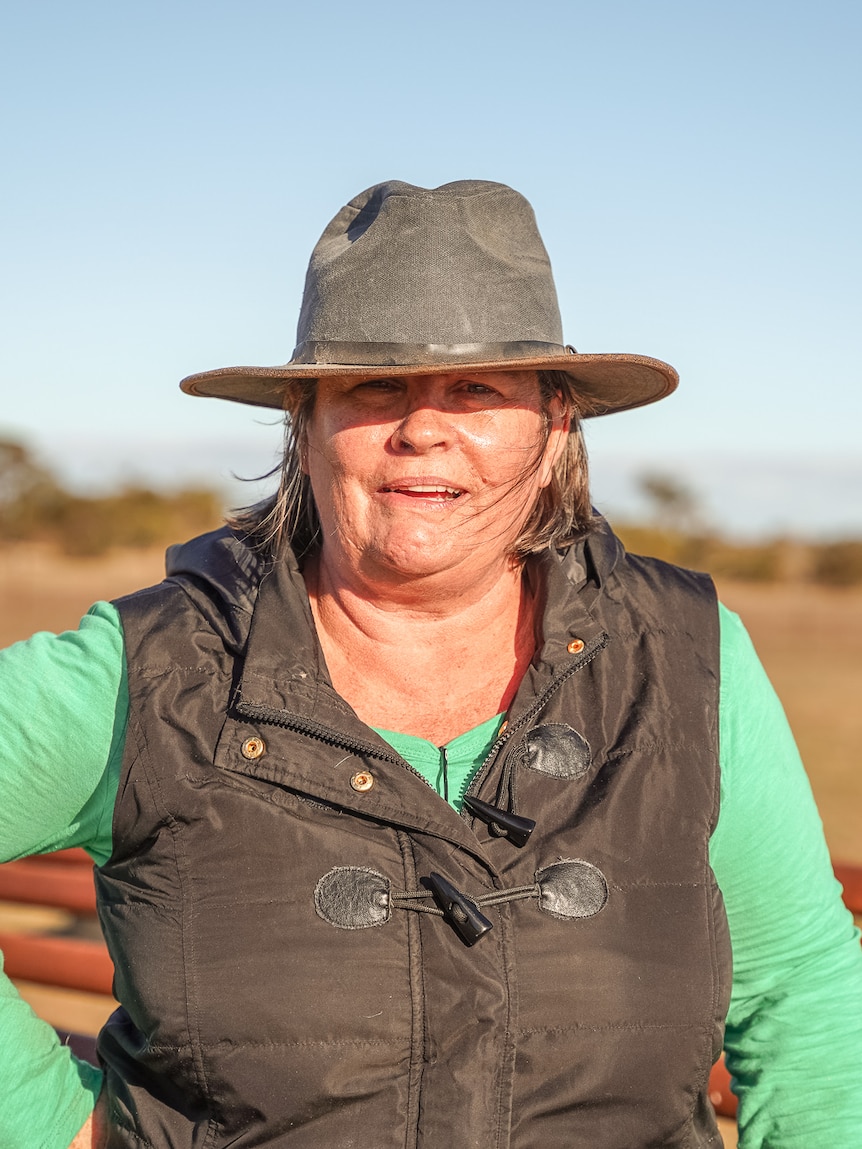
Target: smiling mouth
{"x":426,"y":491}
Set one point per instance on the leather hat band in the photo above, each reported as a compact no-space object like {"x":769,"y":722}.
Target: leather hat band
{"x":381,"y":355}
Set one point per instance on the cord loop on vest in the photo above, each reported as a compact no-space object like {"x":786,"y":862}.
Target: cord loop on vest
{"x":355,"y":897}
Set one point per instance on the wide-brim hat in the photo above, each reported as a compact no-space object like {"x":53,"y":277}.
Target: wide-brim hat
{"x":408,"y":280}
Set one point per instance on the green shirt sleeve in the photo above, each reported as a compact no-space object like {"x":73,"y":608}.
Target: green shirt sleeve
{"x":63,"y":715}
{"x":794,"y":1029}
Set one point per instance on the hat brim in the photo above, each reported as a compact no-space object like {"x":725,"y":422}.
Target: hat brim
{"x":609,"y":382}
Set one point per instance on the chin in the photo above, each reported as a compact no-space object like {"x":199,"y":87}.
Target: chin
{"x":418,"y":558}
{"x":420,"y":565}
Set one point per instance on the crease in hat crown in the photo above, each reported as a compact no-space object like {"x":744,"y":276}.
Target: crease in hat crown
{"x":415,"y":279}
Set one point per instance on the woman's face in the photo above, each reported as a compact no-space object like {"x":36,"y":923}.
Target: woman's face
{"x":423,"y":474}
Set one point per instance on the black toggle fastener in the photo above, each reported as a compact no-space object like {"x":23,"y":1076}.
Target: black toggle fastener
{"x":511,"y":826}
{"x":462,"y":914}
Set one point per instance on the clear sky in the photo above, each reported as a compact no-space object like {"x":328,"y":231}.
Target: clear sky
{"x":695,"y":170}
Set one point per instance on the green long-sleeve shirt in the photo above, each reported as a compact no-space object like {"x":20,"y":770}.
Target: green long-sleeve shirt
{"x":794,"y":1030}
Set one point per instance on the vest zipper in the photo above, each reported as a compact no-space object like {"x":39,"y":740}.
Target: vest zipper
{"x":587,"y":656}
{"x":325,"y":734}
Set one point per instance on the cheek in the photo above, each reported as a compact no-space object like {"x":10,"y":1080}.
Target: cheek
{"x":340,"y":460}
{"x":352,"y":453}
{"x":509,"y":445}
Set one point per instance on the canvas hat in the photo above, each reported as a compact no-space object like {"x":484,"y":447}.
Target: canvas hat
{"x":408,"y":280}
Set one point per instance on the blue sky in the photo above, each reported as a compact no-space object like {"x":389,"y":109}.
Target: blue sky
{"x":695,"y":170}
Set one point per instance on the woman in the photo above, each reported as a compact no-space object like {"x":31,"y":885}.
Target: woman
{"x":315,"y":948}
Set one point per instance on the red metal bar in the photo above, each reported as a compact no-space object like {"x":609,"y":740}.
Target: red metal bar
{"x":71,"y":857}
{"x":723,"y":1100}
{"x":44,"y":883}
{"x":66,"y":962}
{"x":850,"y":878}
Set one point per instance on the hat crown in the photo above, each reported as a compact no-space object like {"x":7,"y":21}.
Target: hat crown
{"x":459,"y":264}
{"x":410,"y":280}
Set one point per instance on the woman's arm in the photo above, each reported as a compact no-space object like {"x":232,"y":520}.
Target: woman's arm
{"x":94,"y":1132}
{"x":87,"y":1138}
{"x":63,"y":712}
{"x":794,"y":1029}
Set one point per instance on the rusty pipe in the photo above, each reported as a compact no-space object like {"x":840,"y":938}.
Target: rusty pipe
{"x":70,"y":963}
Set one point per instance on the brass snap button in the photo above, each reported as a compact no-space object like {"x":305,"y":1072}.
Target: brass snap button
{"x":576,"y":646}
{"x":252,"y":748}
{"x":362,"y":780}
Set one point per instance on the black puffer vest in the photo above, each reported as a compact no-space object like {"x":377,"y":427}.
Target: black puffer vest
{"x":288,"y":976}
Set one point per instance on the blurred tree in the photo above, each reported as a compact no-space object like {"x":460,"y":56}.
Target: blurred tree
{"x":35,"y":506}
{"x":29,"y":493}
{"x":839,"y":563}
{"x":674,"y":506}
{"x":676,"y":531}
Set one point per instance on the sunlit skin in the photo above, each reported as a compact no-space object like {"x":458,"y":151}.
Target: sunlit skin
{"x":422,"y":484}
{"x":418,"y":476}
{"x":94,"y":1132}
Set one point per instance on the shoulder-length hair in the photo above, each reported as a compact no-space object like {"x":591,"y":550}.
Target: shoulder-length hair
{"x":561,"y":514}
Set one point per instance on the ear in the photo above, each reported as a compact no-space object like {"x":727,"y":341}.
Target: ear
{"x":557,"y":438}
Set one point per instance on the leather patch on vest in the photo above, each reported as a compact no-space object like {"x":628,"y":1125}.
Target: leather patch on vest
{"x":572,"y":889}
{"x":352,"y":898}
{"x":556,"y":749}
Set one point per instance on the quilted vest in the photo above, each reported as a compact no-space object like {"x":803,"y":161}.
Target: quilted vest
{"x":313,"y":949}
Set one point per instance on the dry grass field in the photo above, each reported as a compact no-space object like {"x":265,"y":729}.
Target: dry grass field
{"x":809,"y":638}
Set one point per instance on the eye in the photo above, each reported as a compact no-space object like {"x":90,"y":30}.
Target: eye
{"x":380,"y":385}
{"x":476,"y":394}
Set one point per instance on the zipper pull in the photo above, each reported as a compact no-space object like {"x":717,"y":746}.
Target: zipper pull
{"x":500,"y":822}
{"x":462,"y":914}
{"x":444,"y":763}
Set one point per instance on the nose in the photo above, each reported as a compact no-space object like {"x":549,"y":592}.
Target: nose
{"x":423,"y":427}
